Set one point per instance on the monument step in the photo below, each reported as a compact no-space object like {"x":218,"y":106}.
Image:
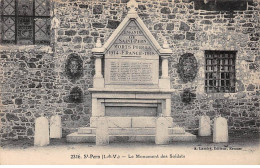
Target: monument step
{"x":91,"y":138}
{"x":130,"y":131}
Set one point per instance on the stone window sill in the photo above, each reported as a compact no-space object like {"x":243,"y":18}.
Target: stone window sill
{"x":26,"y":48}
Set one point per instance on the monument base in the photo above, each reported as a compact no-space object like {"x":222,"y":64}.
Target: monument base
{"x":131,"y":116}
{"x":88,"y":135}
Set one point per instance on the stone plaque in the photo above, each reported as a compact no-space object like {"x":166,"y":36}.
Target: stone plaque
{"x":131,"y":72}
{"x":131,"y":59}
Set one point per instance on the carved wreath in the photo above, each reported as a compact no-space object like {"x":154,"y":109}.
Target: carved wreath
{"x":187,"y":67}
{"x":74,"y":67}
{"x":188,"y":96}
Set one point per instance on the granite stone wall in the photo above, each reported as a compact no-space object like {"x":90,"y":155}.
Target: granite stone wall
{"x":55,"y":79}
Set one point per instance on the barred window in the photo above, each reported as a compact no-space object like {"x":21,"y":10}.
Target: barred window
{"x":220,"y":71}
{"x":25,"y":22}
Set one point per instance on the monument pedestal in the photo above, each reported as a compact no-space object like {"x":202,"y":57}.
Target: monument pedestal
{"x":131,"y":108}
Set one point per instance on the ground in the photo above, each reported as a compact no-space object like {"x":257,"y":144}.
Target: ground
{"x":241,"y":149}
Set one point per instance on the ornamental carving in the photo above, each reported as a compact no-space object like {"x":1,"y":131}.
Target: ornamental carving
{"x":188,"y":96}
{"x":187,"y":67}
{"x":76,"y":95}
{"x":74,"y":67}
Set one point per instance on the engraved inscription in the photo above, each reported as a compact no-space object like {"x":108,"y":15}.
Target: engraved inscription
{"x":131,"y":59}
{"x":131,"y":42}
{"x":128,"y":71}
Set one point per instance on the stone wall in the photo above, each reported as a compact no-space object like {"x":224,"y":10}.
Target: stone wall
{"x":39,"y":80}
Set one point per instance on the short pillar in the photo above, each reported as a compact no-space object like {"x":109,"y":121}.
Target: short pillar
{"x":164,"y":67}
{"x":98,"y":66}
{"x":41,"y":133}
{"x":55,"y":127}
{"x":204,"y":126}
{"x":162,"y":134}
{"x":220,"y":130}
{"x":102,"y":135}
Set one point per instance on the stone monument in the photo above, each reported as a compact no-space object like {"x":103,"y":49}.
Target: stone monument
{"x":220,"y":130}
{"x":128,"y":89}
{"x":41,"y":134}
{"x":204,"y":126}
{"x":55,"y":127}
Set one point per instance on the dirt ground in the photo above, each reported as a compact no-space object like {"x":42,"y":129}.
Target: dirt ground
{"x":241,"y":149}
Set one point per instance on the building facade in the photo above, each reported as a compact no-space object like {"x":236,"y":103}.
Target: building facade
{"x":47,"y":65}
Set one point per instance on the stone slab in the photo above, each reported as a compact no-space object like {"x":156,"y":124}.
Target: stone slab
{"x":131,"y":71}
{"x":130,"y":131}
{"x":128,"y":111}
{"x":90,"y":138}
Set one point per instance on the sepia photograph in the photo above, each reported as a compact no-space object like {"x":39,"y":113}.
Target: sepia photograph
{"x":129,"y":82}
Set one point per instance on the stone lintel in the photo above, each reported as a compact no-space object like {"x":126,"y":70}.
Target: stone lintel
{"x":151,"y":91}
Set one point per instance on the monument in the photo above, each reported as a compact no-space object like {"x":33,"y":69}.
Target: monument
{"x":128,"y":89}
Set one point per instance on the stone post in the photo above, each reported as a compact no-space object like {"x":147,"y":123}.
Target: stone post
{"x":102,"y":136}
{"x":164,"y":67}
{"x":98,"y":66}
{"x":41,"y":133}
{"x":220,"y":130}
{"x":55,"y":127}
{"x":162,"y":134}
{"x":204,"y":126}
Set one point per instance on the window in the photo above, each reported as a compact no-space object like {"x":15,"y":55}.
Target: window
{"x":25,"y":22}
{"x":220,"y":71}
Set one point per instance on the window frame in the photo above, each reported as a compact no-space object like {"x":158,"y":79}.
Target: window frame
{"x":219,"y":76}
{"x":16,"y":17}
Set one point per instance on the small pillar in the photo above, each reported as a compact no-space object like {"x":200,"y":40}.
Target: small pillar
{"x":98,"y":66}
{"x":98,"y":53}
{"x":102,"y":135}
{"x":41,"y":133}
{"x":204,"y":126}
{"x":220,"y":130}
{"x":164,"y":67}
{"x":55,"y":127}
{"x":164,"y":81}
{"x":162,"y":134}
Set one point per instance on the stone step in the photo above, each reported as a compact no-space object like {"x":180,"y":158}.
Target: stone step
{"x":91,"y":138}
{"x":131,"y":131}
{"x":80,"y":138}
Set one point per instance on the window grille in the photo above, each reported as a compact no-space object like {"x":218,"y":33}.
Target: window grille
{"x":220,"y":71}
{"x":25,"y":22}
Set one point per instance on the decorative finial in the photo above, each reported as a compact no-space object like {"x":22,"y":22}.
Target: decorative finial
{"x":165,"y":44}
{"x":98,"y":43}
{"x":132,"y":5}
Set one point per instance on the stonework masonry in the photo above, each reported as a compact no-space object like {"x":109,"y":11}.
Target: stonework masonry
{"x":34,"y":79}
